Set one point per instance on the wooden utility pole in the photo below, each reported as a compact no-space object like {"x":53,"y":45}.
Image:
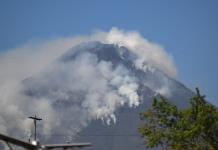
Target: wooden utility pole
{"x":35,"y":119}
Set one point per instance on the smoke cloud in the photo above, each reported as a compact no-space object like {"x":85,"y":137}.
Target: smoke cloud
{"x":34,"y":81}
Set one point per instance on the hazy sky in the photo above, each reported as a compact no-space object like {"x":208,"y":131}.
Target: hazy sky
{"x":187,"y":29}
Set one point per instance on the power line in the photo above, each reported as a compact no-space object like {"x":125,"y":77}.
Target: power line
{"x":100,"y":135}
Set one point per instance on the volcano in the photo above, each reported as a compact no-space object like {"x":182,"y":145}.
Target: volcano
{"x":96,"y":93}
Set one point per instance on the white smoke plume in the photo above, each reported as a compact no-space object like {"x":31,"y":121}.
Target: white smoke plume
{"x":32,"y":81}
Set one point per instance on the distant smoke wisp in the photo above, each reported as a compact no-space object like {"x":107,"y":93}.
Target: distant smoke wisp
{"x":33,"y":81}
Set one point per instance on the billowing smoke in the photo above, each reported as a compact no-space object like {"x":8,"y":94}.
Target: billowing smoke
{"x":68,"y":94}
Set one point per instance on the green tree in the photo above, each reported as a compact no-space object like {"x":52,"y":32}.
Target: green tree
{"x":193,"y":128}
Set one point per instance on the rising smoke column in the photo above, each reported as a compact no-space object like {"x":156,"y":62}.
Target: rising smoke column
{"x":95,"y":88}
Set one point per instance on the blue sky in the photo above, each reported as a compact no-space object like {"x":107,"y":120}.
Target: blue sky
{"x":187,"y":29}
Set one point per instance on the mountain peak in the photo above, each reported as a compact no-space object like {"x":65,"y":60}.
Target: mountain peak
{"x":100,"y":89}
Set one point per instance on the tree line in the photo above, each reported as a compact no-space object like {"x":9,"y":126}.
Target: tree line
{"x":170,"y":128}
